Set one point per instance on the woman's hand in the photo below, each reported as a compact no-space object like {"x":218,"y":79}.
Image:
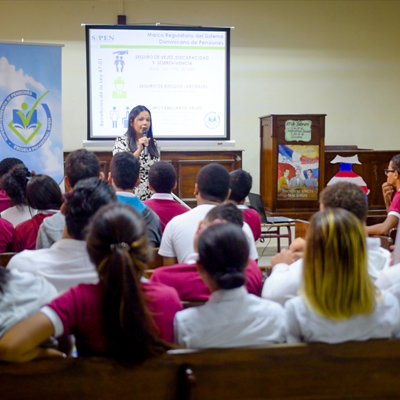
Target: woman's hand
{"x":387,"y":191}
{"x":141,"y":144}
{"x":285,"y":256}
{"x":297,"y":248}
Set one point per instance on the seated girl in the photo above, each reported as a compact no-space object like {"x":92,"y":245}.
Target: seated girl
{"x":14,"y":184}
{"x":231,"y":317}
{"x":43,"y":195}
{"x":339,"y":302}
{"x":6,"y":235}
{"x":185,"y":278}
{"x":5,"y":165}
{"x":113,"y":317}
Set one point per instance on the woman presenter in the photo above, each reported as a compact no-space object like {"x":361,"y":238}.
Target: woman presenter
{"x":140,"y":142}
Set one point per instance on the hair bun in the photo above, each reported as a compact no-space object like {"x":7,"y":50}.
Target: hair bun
{"x":230,"y":280}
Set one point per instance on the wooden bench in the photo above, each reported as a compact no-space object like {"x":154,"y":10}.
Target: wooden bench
{"x":354,"y":370}
{"x":5,"y":258}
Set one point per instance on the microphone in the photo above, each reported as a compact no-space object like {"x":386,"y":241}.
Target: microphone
{"x":146,"y":150}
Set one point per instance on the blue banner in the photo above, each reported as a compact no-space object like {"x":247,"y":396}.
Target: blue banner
{"x":30,"y":107}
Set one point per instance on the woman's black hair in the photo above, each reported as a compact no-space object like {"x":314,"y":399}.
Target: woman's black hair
{"x":224,"y":253}
{"x":14,"y":183}
{"x":43,"y":193}
{"x":117,"y":244}
{"x":153,"y":152}
{"x":7,"y":163}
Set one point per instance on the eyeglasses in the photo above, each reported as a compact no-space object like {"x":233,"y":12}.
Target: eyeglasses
{"x":386,"y":171}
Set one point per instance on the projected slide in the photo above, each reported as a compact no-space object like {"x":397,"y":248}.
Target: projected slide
{"x":180,"y":75}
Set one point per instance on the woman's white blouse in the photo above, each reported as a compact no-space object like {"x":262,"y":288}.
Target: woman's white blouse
{"x":305,"y":325}
{"x":230,"y":318}
{"x":146,"y":161}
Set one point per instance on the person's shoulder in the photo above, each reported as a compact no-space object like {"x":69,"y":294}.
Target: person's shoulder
{"x":188,"y":316}
{"x":57,"y":220}
{"x":296,"y":303}
{"x":5,"y":224}
{"x":31,"y":282}
{"x":179,"y":218}
{"x":148,"y":211}
{"x":251,"y":212}
{"x":396,"y":198}
{"x":26,"y":259}
{"x":265,"y":305}
{"x":120,"y":144}
{"x":121,"y":138}
{"x":389,"y":299}
{"x":159,"y":289}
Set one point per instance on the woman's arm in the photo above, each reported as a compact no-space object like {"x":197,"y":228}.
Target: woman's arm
{"x":21,"y":342}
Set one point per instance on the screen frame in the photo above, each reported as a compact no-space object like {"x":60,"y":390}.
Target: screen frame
{"x":158,"y":28}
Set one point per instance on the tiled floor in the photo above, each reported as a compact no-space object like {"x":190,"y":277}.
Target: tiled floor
{"x":268,"y":248}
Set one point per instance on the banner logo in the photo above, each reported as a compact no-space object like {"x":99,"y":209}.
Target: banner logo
{"x":25,"y":124}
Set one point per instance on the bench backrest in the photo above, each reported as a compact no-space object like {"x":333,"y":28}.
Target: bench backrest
{"x":353,"y":370}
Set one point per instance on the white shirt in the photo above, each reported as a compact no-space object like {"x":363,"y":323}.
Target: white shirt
{"x":178,"y":236}
{"x":389,"y":280}
{"x":305,"y":325}
{"x":230,"y":318}
{"x":17,"y":215}
{"x":65,"y":264}
{"x":162,"y":196}
{"x":23,"y":295}
{"x":285,"y":280}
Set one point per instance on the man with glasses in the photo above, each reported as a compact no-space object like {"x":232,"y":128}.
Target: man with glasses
{"x":391,"y":196}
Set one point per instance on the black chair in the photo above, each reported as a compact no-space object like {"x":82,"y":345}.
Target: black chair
{"x":271,"y":226}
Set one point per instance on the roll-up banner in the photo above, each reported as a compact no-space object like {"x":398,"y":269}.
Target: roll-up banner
{"x":30,"y":107}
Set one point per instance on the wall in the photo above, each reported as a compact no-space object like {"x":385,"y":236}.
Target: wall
{"x":338,"y":58}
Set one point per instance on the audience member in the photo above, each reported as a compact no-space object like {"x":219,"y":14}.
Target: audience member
{"x":285,"y":278}
{"x":389,"y":280}
{"x":22,"y":295}
{"x":211,"y":189}
{"x":43,"y":195}
{"x":80,"y":164}
{"x":241,"y":183}
{"x":232,"y":317}
{"x":185,"y":277}
{"x":66,"y":263}
{"x":162,"y":181}
{"x":338,"y":302}
{"x":391,"y":197}
{"x":6,"y":235}
{"x":14,"y":184}
{"x":5,"y":165}
{"x":124,"y":176}
{"x":112,"y":317}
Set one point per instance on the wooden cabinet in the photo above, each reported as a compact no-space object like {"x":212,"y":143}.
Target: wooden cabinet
{"x":187,"y":164}
{"x":291,"y":145}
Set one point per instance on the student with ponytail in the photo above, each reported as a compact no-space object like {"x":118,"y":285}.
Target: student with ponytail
{"x":123,"y":316}
{"x":338,"y":300}
{"x":14,"y":183}
{"x":231,"y":317}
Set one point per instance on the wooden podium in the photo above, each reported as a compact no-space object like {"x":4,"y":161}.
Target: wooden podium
{"x":292,"y":163}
